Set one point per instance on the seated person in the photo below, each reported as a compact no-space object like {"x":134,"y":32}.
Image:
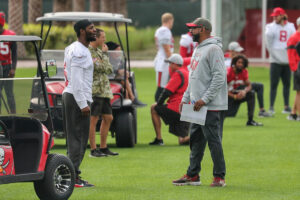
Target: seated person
{"x":119,"y":74}
{"x":170,"y":112}
{"x":239,"y":89}
{"x":235,"y":49}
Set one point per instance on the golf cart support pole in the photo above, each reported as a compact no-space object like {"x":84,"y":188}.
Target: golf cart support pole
{"x":127,"y":42}
{"x":43,"y":42}
{"x":119,"y":38}
{"x":49,"y":119}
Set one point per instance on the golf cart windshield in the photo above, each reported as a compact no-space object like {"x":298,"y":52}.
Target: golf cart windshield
{"x":23,"y":95}
{"x":53,"y":60}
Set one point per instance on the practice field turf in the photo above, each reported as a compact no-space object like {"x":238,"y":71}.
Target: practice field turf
{"x":262,"y":162}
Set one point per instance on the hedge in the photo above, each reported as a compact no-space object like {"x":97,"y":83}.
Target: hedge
{"x":60,"y":37}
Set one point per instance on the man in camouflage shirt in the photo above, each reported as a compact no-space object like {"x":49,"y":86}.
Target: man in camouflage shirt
{"x":101,"y":95}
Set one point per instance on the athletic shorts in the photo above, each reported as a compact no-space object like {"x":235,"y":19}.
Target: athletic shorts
{"x":297,"y":79}
{"x":101,"y":106}
{"x":172,"y":118}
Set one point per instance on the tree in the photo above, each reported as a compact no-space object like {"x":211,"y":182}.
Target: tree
{"x":78,"y":5}
{"x":35,"y":8}
{"x":94,"y":5}
{"x":15,"y":21}
{"x":61,"y":6}
{"x":116,"y":6}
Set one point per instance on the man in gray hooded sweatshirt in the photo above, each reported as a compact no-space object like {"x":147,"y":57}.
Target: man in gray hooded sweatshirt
{"x":207,"y":87}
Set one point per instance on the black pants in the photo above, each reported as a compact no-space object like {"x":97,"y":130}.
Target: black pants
{"x":210,"y":133}
{"x":76,"y":127}
{"x":233,"y":105}
{"x":278,"y":71}
{"x":259,"y":89}
{"x":8,"y":86}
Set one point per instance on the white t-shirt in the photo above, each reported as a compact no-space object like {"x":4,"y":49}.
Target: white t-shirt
{"x":276,"y":39}
{"x":78,"y":70}
{"x":163,"y":35}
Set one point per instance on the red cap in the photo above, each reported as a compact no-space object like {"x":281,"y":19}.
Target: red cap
{"x":2,"y":18}
{"x":277,"y":11}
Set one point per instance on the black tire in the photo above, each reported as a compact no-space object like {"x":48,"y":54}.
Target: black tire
{"x":124,"y":124}
{"x":59,"y":179}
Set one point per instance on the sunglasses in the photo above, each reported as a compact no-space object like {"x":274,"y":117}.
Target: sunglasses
{"x":194,"y":27}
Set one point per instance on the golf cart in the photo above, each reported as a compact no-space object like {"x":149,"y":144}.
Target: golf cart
{"x":25,"y":140}
{"x":124,"y":124}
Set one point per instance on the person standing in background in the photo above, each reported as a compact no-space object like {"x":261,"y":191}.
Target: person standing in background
{"x":8,"y":64}
{"x":277,"y":34}
{"x":165,"y":47}
{"x":294,"y":61}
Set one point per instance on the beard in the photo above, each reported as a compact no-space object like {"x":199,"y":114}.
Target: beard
{"x":90,"y":37}
{"x":238,"y":70}
{"x":196,"y":37}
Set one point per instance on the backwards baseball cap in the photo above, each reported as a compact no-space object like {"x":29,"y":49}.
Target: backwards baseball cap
{"x":2,"y":18}
{"x":298,"y":21}
{"x":199,"y":22}
{"x":81,"y":24}
{"x":175,"y":58}
{"x":235,"y":46}
{"x":277,"y":11}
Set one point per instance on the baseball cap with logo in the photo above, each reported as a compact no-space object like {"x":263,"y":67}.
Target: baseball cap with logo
{"x":277,"y":11}
{"x":175,"y":58}
{"x":2,"y":18}
{"x":199,"y":22}
{"x":235,"y":46}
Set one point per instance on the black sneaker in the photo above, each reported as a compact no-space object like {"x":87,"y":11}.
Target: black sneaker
{"x":254,"y":123}
{"x":107,"y":152}
{"x":292,"y":117}
{"x":79,"y":183}
{"x":287,"y":110}
{"x":157,"y":142}
{"x":138,"y":103}
{"x":96,"y":153}
{"x":187,"y":180}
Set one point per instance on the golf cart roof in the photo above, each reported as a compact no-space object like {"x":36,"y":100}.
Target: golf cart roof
{"x":76,"y":16}
{"x":19,"y":38}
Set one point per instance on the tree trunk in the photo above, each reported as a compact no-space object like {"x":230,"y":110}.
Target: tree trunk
{"x":61,"y":6}
{"x":94,"y":5}
{"x":78,"y":5}
{"x":35,"y":8}
{"x":15,"y":21}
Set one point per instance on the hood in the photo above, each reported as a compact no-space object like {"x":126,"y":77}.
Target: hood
{"x":212,"y":40}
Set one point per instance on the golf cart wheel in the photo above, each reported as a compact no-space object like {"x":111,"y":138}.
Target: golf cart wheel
{"x":125,"y":136}
{"x":59,"y":179}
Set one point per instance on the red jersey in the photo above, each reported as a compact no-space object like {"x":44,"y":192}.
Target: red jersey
{"x":5,"y":49}
{"x":292,"y":53}
{"x":177,"y":85}
{"x":235,"y":80}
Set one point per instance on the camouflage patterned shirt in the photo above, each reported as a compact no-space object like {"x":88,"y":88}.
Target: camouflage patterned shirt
{"x":102,"y":68}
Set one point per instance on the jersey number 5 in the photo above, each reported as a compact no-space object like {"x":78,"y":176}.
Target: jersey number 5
{"x":283,"y":36}
{"x":4,"y":49}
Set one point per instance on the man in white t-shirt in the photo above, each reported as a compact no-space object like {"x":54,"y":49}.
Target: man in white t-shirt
{"x":77,"y":95}
{"x":165,"y":47}
{"x":277,"y":34}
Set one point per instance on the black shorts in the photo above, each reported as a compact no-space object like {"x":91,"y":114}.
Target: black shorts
{"x":172,"y":118}
{"x":101,"y":106}
{"x":297,"y":79}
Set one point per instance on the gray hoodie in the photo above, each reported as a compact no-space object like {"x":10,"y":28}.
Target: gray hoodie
{"x":207,"y":78}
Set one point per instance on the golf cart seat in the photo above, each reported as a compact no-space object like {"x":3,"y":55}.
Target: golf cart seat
{"x":25,"y":135}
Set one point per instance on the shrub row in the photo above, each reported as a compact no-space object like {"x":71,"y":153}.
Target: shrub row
{"x":60,"y":37}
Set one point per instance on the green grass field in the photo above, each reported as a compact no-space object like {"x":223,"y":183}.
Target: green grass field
{"x":262,"y":162}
